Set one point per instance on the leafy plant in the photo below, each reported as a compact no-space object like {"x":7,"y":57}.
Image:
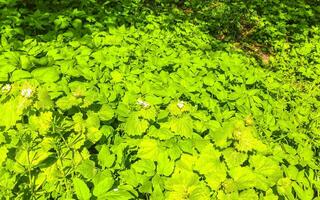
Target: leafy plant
{"x":89,"y":111}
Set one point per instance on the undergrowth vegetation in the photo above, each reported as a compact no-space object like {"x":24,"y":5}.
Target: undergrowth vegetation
{"x":159,"y":100}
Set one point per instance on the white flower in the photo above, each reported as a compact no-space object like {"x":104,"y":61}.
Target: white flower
{"x":6,"y":88}
{"x":26,"y":92}
{"x":143,"y":103}
{"x":180,"y":104}
{"x":116,"y":189}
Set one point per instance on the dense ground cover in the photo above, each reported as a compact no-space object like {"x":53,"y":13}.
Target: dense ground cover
{"x":159,"y":100}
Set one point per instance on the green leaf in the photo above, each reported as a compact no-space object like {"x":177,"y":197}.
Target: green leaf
{"x":106,"y":159}
{"x":106,"y":113}
{"x":266,"y":166}
{"x":42,"y":123}
{"x":93,"y":134}
{"x":135,"y":126}
{"x":43,"y":61}
{"x":182,"y":126}
{"x":306,"y":154}
{"x":232,"y":196}
{"x":157,"y":184}
{"x":208,"y":163}
{"x":146,"y":167}
{"x":246,"y":140}
{"x":107,"y":130}
{"x":62,"y":22}
{"x":41,"y":158}
{"x":65,"y":103}
{"x":284,"y":187}
{"x":78,"y":89}
{"x":270,"y":195}
{"x":291,"y":172}
{"x":20,"y":75}
{"x":234,"y":158}
{"x":3,"y":154}
{"x":44,"y":100}
{"x":3,"y":76}
{"x":92,"y":124}
{"x":248,"y":194}
{"x":161,"y":133}
{"x":116,"y":76}
{"x":87,"y":169}
{"x":31,"y":158}
{"x":119,"y":194}
{"x":148,"y":149}
{"x":25,"y":62}
{"x":220,"y":135}
{"x":165,"y":166}
{"x":6,"y":68}
{"x":46,"y":74}
{"x":154,"y":100}
{"x":187,"y":146}
{"x":209,"y":79}
{"x":11,"y":111}
{"x":148,"y":114}
{"x":186,"y":162}
{"x":243,"y":177}
{"x":131,"y":177}
{"x":81,"y":189}
{"x":103,"y":185}
{"x":123,"y":111}
{"x":302,"y":193}
{"x":186,"y":185}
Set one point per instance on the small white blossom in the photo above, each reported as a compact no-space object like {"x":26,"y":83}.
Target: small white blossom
{"x":6,"y":88}
{"x":26,"y":92}
{"x":143,"y":103}
{"x":180,"y":104}
{"x":116,"y":189}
